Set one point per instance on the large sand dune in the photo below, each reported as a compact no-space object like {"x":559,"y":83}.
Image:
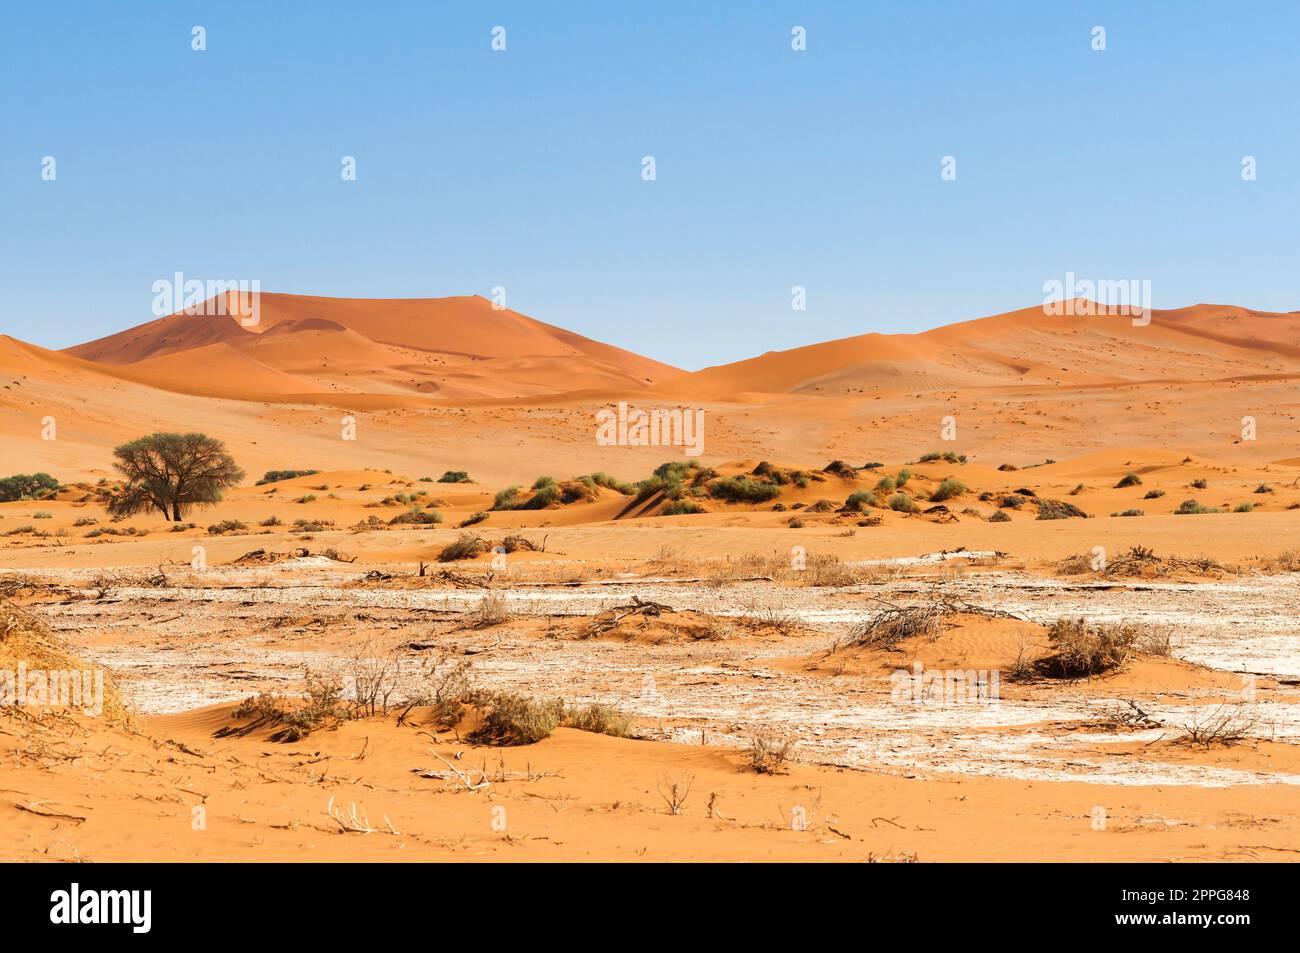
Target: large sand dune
{"x":458,"y":385}
{"x":459,"y":347}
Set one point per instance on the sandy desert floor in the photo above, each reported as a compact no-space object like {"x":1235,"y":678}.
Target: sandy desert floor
{"x":710,"y":633}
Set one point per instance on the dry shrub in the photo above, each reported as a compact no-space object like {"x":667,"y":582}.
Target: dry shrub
{"x":490,"y":610}
{"x":598,"y":718}
{"x":374,"y":679}
{"x":1222,"y":725}
{"x":1074,"y":565}
{"x":1288,"y":561}
{"x":466,"y":546}
{"x":768,"y":616}
{"x":1059,"y":510}
{"x":886,"y":628}
{"x":259,"y":706}
{"x":1082,"y":648}
{"x":320,"y":701}
{"x":829,"y":571}
{"x":26,"y":639}
{"x":510,"y":718}
{"x":768,"y":754}
{"x":1143,"y":561}
{"x":716,"y":628}
{"x":444,"y":687}
{"x":675,"y":791}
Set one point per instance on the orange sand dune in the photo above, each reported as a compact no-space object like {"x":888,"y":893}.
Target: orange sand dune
{"x":449,"y":347}
{"x":1023,"y":347}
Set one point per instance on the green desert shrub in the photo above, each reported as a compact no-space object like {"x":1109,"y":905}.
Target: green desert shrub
{"x":902,"y":503}
{"x":546,"y":493}
{"x":1192,"y":507}
{"x":416,"y":516}
{"x":506,"y":499}
{"x":1059,"y":510}
{"x":454,"y":476}
{"x":1129,"y":479}
{"x":743,"y":489}
{"x":859,"y":500}
{"x":26,"y":486}
{"x":275,"y":476}
{"x":947,"y":490}
{"x":226,"y":526}
{"x":603,"y":479}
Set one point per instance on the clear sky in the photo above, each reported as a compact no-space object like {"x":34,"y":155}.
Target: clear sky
{"x":523,"y":168}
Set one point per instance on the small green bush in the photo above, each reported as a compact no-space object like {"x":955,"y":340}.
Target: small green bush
{"x":902,"y":503}
{"x":858,"y":500}
{"x":505,"y":499}
{"x":947,"y":490}
{"x":275,"y":476}
{"x":226,"y":526}
{"x":742,"y":489}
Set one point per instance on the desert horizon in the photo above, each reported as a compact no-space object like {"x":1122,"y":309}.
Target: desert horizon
{"x":572,"y":434}
{"x":412,"y":536}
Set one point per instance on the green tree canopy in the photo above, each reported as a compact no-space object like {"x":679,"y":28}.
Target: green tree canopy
{"x":23,"y":486}
{"x":172,"y":472}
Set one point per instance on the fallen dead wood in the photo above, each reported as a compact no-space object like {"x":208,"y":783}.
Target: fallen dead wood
{"x":611,"y":618}
{"x":35,"y":808}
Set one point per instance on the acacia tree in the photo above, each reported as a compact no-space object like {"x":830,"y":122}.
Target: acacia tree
{"x":172,"y":472}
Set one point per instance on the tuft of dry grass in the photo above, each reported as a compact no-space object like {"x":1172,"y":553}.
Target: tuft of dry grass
{"x":466,"y":546}
{"x":598,"y":718}
{"x":1081,"y":649}
{"x":490,"y":610}
{"x":894,"y":624}
{"x":510,"y":718}
{"x":26,"y":639}
{"x":768,"y":754}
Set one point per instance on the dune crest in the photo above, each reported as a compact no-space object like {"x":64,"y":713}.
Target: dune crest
{"x":459,"y":347}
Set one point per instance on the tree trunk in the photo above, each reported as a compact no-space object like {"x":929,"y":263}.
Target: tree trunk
{"x":176,"y":512}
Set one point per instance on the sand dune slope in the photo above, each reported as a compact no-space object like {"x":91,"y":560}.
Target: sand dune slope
{"x":1203,"y":342}
{"x":450,"y":347}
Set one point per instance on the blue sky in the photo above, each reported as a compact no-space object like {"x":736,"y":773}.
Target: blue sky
{"x":522,"y":168}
